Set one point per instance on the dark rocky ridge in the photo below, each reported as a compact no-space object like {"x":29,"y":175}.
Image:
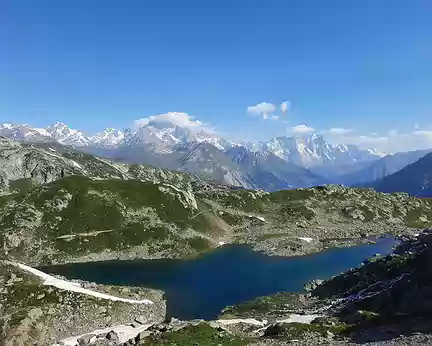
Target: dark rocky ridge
{"x":415,"y":179}
{"x":388,"y":300}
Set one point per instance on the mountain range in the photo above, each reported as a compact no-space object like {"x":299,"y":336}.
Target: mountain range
{"x":283,"y":162}
{"x":414,"y":179}
{"x":383,"y":167}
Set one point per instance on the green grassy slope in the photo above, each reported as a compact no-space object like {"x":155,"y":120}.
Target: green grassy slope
{"x":77,"y":216}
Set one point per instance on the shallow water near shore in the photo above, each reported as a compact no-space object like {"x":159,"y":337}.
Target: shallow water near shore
{"x":201,"y":287}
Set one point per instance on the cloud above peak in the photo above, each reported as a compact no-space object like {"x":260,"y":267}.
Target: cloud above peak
{"x":302,"y":129}
{"x":285,"y":106}
{"x":267,"y":110}
{"x":391,"y":141}
{"x":263,"y":109}
{"x":423,"y":133}
{"x":176,"y":118}
{"x":339,"y":131}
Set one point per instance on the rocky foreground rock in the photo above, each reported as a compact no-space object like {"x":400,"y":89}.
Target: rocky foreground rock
{"x":34,"y":312}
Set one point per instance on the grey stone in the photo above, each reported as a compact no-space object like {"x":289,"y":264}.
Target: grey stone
{"x":141,"y":319}
{"x":135,"y":324}
{"x":144,"y":334}
{"x":85,"y":340}
{"x":35,"y":313}
{"x":195,"y":322}
{"x":101,"y":310}
{"x":330,"y":335}
{"x":112,"y":335}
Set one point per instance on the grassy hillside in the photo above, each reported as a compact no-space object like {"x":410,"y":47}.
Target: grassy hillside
{"x":78,"y":218}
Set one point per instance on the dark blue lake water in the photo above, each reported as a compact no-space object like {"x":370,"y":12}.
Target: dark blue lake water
{"x":203,"y":286}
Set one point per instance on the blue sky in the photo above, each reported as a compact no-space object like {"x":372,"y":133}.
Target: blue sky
{"x":358,"y":65}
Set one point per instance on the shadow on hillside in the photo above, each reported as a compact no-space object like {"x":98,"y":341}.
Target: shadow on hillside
{"x":392,"y":331}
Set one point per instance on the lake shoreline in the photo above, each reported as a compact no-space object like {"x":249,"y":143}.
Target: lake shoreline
{"x":256,"y":323}
{"x":285,"y":244}
{"x":228,"y":269}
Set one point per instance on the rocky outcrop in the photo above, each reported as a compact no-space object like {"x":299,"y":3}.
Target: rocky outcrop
{"x":25,"y":162}
{"x":391,"y":293}
{"x":44,"y":163}
{"x":32,"y":311}
{"x":385,"y":301}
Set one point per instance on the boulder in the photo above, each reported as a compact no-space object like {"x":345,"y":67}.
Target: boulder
{"x":86,"y":339}
{"x":312,"y":285}
{"x":112,"y":335}
{"x":274,"y":330}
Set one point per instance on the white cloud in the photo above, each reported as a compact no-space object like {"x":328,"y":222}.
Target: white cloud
{"x":266,"y":110}
{"x":339,"y":131}
{"x":372,"y":139}
{"x":302,"y":129}
{"x":285,"y":107}
{"x":391,"y":142}
{"x":423,"y":133}
{"x":263,"y":109}
{"x":177,"y":118}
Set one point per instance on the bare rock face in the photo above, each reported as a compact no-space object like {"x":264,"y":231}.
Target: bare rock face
{"x":44,"y":163}
{"x":26,"y":162}
{"x":4,"y":181}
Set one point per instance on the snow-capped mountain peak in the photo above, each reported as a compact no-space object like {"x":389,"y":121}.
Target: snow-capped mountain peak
{"x":108,"y":138}
{"x":165,"y":133}
{"x":165,"y":137}
{"x":313,"y":150}
{"x":7,"y":126}
{"x":67,"y":136}
{"x":23,"y":132}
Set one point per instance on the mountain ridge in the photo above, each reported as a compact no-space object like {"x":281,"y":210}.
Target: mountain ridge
{"x":385,"y":166}
{"x":414,"y":179}
{"x":280,"y":163}
{"x":306,"y":150}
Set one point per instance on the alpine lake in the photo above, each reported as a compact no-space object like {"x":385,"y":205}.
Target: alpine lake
{"x":201,"y":287}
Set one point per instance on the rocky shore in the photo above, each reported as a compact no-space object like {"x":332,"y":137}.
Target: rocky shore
{"x":34,"y":310}
{"x":385,"y":301}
